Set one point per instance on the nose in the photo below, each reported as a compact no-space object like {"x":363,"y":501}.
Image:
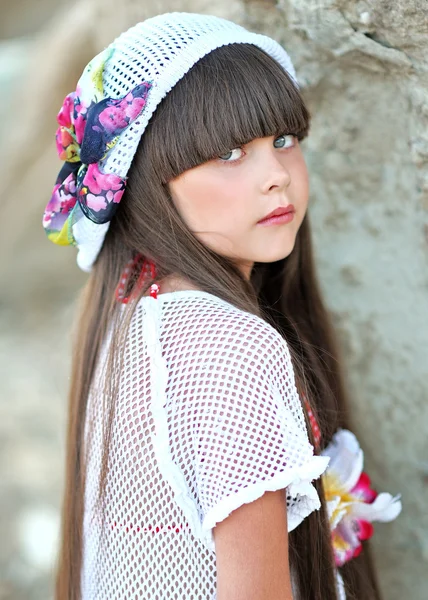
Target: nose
{"x":276,"y":174}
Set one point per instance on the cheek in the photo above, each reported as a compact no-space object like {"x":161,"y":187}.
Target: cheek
{"x":184,"y":193}
{"x":201,"y":200}
{"x":301,"y":182}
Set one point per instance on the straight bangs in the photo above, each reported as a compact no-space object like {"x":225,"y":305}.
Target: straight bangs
{"x":231,"y":96}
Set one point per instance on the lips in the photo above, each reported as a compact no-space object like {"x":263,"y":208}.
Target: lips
{"x":281,"y":210}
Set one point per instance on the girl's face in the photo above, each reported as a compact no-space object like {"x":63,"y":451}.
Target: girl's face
{"x":223,"y":199}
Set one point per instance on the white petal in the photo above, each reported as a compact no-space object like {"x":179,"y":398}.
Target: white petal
{"x":346,"y":458}
{"x":332,"y":505}
{"x":331,"y":508}
{"x":385,"y":508}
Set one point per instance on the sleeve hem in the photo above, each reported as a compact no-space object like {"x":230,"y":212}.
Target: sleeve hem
{"x":298,"y":481}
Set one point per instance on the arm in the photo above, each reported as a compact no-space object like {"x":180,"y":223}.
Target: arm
{"x":252,"y":551}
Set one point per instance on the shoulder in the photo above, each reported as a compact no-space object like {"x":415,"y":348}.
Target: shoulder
{"x":226,"y":334}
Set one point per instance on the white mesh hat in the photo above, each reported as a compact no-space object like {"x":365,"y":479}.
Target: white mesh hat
{"x":159,"y":50}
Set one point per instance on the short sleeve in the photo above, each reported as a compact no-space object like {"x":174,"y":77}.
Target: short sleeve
{"x":236,"y":423}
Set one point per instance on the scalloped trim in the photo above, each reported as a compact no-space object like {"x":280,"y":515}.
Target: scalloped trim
{"x":297,"y":480}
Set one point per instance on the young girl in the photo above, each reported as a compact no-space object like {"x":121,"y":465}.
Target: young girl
{"x":208,"y":454}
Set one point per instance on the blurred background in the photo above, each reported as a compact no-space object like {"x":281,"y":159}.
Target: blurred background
{"x":363,"y":69}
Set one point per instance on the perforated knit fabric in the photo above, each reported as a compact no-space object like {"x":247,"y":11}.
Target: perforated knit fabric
{"x":208,"y":418}
{"x":161,"y":50}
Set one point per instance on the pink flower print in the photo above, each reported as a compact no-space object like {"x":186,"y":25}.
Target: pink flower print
{"x":80,"y":109}
{"x":132,"y":106}
{"x":96,"y":202}
{"x":60,"y":204}
{"x":97,"y":181}
{"x":64,"y":137}
{"x":112,"y":119}
{"x":114,"y":197}
{"x":61,"y":194}
{"x":69,"y":184}
{"x":65,"y":114}
{"x":134,"y":109}
{"x":82,"y":104}
{"x":53,"y":205}
{"x":63,"y":140}
{"x":66,"y":145}
{"x":79,"y":127}
{"x":67,"y":204}
{"x":118,"y":196}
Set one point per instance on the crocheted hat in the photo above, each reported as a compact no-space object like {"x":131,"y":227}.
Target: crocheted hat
{"x":101,"y":123}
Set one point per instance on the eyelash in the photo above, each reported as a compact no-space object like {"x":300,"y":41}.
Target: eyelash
{"x":238,"y":160}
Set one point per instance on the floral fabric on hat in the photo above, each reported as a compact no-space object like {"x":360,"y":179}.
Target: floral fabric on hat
{"x":89,"y":126}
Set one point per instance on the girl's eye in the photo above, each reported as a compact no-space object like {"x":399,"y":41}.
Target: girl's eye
{"x":283,"y":141}
{"x":229,"y":154}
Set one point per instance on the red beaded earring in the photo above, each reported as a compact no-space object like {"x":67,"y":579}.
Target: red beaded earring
{"x":155,"y":287}
{"x":131,"y":266}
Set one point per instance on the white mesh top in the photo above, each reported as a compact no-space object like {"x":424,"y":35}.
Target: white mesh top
{"x":208,"y":418}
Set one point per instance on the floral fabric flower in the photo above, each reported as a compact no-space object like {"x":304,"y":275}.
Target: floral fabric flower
{"x":89,"y":127}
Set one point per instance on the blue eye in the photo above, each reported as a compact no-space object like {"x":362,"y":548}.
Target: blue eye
{"x":226,"y":156}
{"x":282,"y":139}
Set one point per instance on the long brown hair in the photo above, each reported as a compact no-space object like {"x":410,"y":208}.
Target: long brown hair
{"x":231,"y":96}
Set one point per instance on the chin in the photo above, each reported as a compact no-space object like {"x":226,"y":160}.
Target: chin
{"x":276,"y":254}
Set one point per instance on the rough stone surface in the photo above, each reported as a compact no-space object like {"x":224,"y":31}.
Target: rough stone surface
{"x":363,"y":68}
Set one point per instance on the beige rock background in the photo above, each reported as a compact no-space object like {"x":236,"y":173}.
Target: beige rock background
{"x":363,"y":67}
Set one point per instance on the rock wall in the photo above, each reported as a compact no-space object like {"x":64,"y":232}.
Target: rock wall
{"x":363,"y":68}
